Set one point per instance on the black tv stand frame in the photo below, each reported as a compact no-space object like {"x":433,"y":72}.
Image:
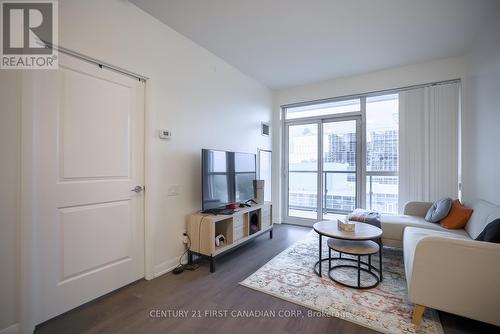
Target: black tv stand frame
{"x":211,"y":259}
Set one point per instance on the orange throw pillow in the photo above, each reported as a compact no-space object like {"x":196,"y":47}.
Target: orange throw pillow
{"x":457,"y":218}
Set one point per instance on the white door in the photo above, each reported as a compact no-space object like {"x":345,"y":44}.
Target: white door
{"x":89,"y":155}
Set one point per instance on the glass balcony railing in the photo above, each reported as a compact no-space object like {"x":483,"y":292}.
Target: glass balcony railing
{"x":339,"y":192}
{"x":382,"y":191}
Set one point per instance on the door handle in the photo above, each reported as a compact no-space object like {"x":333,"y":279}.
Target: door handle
{"x":137,"y":189}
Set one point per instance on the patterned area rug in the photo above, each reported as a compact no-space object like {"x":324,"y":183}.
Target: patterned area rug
{"x":385,"y":308}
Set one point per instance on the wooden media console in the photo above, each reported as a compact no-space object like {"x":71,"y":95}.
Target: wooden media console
{"x":243,"y":225}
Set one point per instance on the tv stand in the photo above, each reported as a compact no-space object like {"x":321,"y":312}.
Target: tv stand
{"x":238,"y":228}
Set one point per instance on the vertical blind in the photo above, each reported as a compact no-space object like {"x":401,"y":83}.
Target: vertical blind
{"x":429,"y":139}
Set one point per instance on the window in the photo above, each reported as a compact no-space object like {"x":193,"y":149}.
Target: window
{"x":382,"y":155}
{"x":324,"y":149}
{"x":322,"y":109}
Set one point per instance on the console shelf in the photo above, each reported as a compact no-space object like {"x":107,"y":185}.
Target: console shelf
{"x":242,"y":226}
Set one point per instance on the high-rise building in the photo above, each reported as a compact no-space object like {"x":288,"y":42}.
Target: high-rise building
{"x":342,"y":149}
{"x":382,"y":151}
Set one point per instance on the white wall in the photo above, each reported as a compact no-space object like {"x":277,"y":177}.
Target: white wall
{"x":10,"y":141}
{"x":397,"y":77}
{"x":481,"y":119}
{"x":205,"y":102}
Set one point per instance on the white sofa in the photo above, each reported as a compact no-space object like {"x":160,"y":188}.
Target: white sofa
{"x":447,"y":269}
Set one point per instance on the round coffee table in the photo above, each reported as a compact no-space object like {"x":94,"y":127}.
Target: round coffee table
{"x":348,"y":243}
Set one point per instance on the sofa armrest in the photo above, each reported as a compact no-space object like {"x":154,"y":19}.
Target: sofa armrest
{"x":417,"y":208}
{"x":459,"y":276}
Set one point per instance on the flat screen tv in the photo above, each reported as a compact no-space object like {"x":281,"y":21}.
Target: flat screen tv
{"x":227,"y":177}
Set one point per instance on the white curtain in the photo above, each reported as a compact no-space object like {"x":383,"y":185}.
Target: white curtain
{"x":428,"y":143}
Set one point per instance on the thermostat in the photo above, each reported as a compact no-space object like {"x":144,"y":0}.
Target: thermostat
{"x":165,"y":134}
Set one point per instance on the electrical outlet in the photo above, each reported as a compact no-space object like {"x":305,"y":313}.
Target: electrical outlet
{"x":173,"y":190}
{"x":165,"y":134}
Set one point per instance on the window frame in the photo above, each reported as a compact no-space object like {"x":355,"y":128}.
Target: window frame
{"x":361,"y":199}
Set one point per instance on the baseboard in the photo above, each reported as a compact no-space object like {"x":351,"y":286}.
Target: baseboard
{"x":12,"y":329}
{"x":166,"y":266}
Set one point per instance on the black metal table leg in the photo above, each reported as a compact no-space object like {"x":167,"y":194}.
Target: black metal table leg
{"x":329,"y":258}
{"x":270,"y":234}
{"x":359,"y":271}
{"x":380,"y":259}
{"x":320,"y":250}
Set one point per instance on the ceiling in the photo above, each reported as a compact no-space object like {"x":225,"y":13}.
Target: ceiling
{"x":284,"y":43}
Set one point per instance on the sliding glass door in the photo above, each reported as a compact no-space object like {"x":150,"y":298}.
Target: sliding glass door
{"x":322,"y":168}
{"x":303,"y":168}
{"x":340,"y":167}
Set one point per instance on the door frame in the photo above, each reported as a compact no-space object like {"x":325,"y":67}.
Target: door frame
{"x":28,"y":285}
{"x":359,"y":117}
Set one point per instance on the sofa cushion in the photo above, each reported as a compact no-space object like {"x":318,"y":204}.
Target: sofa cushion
{"x":484,"y":213}
{"x":439,"y":210}
{"x":394,"y":225}
{"x":491,"y":232}
{"x":458,"y":217}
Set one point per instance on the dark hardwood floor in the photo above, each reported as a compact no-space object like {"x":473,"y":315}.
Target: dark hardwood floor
{"x":128,"y":310}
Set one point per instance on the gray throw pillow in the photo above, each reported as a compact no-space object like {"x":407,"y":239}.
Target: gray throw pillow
{"x":439,"y":210}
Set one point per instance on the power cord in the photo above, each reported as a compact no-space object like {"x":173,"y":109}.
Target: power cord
{"x":186,"y":266}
